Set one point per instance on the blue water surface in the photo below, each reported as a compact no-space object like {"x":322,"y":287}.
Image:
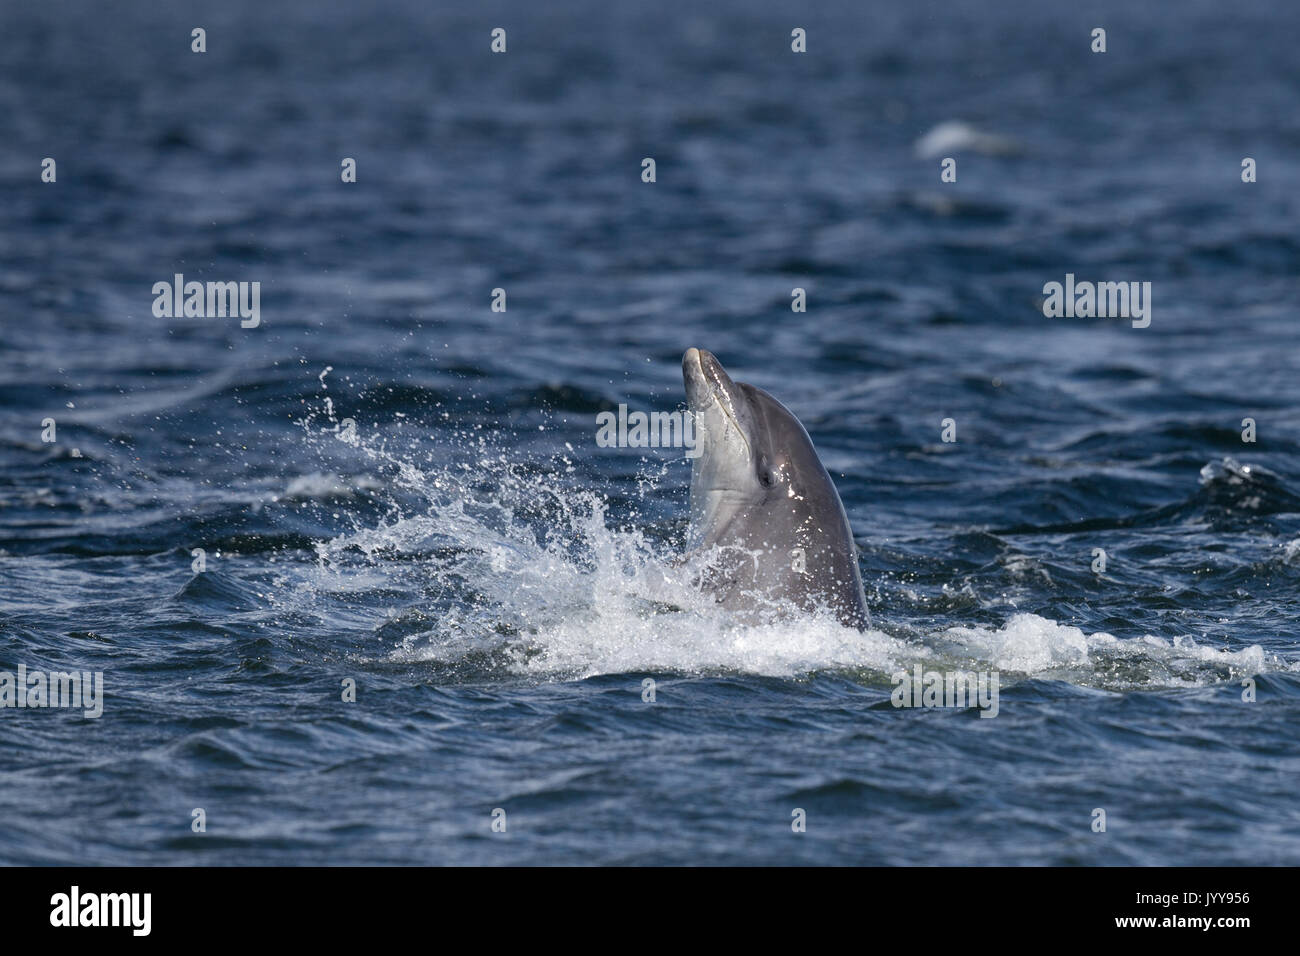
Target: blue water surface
{"x":395,"y":486}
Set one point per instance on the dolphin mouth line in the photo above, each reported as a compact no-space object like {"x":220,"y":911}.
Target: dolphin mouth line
{"x":718,"y":393}
{"x":749,"y":451}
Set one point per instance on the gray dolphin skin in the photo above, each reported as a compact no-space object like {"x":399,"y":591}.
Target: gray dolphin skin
{"x":760,"y":495}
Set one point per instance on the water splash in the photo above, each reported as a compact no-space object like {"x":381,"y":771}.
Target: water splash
{"x":489,"y":568}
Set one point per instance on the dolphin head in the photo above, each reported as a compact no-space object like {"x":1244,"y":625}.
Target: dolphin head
{"x":747,"y":448}
{"x":760,"y":493}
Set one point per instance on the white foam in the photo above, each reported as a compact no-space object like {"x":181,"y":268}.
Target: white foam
{"x":321,"y":486}
{"x":528,"y":571}
{"x":1037,"y":646}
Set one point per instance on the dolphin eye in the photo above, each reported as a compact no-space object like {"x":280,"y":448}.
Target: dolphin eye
{"x":765,"y":475}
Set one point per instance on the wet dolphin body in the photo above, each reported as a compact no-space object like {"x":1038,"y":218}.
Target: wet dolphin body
{"x":760,"y":495}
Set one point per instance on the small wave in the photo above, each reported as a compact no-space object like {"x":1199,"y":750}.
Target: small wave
{"x":320,"y":486}
{"x":1035,"y":646}
{"x":955,"y":136}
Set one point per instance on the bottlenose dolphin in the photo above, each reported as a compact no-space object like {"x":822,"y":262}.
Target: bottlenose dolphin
{"x":762,"y":505}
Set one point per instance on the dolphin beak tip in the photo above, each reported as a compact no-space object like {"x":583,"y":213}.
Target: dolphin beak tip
{"x":691,"y":363}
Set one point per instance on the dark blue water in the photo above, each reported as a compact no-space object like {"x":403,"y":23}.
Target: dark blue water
{"x":498,"y":586}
